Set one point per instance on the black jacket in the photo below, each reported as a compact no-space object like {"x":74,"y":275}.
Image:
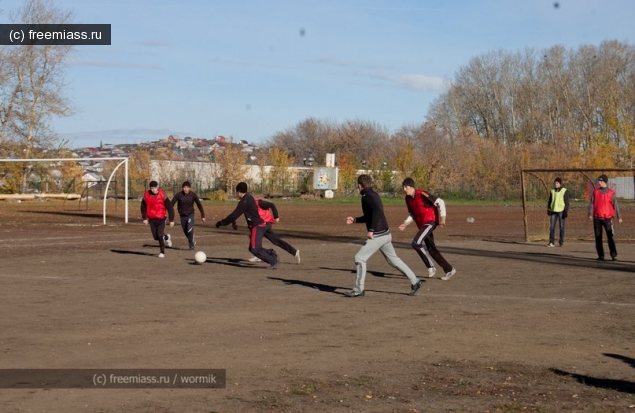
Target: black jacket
{"x":373,"y":210}
{"x":247,"y":206}
{"x":186,"y":203}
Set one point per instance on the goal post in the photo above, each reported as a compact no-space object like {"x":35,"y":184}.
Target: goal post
{"x":536,"y":185}
{"x":122,"y":161}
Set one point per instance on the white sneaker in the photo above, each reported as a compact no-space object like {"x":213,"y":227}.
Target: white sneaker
{"x":161,"y":255}
{"x":448,"y":275}
{"x":431,"y":272}
{"x":550,"y":244}
{"x":254,"y":259}
{"x":297,"y":255}
{"x":168,"y":241}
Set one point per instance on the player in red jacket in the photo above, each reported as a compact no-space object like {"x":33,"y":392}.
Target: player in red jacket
{"x":155,"y":207}
{"x":427,"y":211}
{"x":602,"y":209}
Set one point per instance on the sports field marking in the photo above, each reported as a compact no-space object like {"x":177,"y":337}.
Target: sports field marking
{"x":548,"y":300}
{"x":35,"y":277}
{"x":114,"y":241}
{"x":442,"y":296}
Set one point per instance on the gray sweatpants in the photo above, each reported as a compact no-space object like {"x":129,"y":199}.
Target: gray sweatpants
{"x":382,"y":243}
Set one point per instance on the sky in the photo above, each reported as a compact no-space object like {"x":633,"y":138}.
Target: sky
{"x":249,"y":69}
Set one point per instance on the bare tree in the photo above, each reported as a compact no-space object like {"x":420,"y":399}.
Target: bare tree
{"x":33,"y":91}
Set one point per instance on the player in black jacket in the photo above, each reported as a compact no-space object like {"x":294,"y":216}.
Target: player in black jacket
{"x":186,"y":200}
{"x":378,"y":238}
{"x":257,"y":228}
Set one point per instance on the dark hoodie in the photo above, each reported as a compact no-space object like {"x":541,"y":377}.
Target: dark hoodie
{"x":373,"y":210}
{"x":247,"y":206}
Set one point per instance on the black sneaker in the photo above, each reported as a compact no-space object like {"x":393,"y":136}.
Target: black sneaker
{"x":354,"y":294}
{"x":614,"y":257}
{"x":600,"y":259}
{"x":273,"y":266}
{"x":415,"y":287}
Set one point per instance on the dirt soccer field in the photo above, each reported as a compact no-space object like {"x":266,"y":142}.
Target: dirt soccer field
{"x":519,"y":328}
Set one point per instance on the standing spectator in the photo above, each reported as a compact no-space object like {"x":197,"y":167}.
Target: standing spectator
{"x":427,"y":211}
{"x":602,"y":209}
{"x":154,"y":208}
{"x":378,"y":239}
{"x":257,"y":228}
{"x":557,"y":209}
{"x":186,"y":200}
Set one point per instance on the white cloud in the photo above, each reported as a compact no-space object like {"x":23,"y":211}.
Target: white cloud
{"x":421,"y":82}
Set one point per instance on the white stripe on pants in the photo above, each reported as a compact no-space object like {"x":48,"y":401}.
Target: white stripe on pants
{"x":382,"y":243}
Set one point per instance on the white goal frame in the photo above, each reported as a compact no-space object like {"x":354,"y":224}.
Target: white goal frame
{"x":124,"y":161}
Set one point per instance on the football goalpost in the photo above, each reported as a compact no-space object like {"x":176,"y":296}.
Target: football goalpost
{"x":536,"y":185}
{"x":122,"y":161}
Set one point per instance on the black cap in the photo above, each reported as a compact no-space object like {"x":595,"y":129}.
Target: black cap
{"x":186,"y":183}
{"x":154,"y":184}
{"x":241,"y":187}
{"x":603,"y":178}
{"x":408,"y":182}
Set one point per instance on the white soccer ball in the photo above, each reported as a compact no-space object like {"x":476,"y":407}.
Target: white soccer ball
{"x":200,"y":257}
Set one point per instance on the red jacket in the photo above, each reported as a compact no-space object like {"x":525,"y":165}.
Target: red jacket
{"x":265,"y":214}
{"x":155,"y":205}
{"x":422,"y":210}
{"x":603,"y":204}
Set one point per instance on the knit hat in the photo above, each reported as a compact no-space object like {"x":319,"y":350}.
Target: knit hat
{"x":241,"y":187}
{"x":408,"y":182}
{"x":186,"y":183}
{"x":558,"y":180}
{"x":603,"y":178}
{"x":154,"y":184}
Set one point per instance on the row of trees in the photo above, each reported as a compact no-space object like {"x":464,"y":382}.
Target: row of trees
{"x":503,"y":111}
{"x":554,"y":108}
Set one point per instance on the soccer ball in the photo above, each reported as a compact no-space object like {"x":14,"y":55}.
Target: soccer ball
{"x":200,"y":257}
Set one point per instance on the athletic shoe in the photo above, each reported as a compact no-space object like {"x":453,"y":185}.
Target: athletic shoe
{"x":614,"y":257}
{"x":600,"y":259}
{"x":550,"y":244}
{"x":297,"y":255}
{"x":415,"y":287}
{"x":273,"y":266}
{"x":168,"y":241}
{"x":448,"y":275}
{"x":354,"y":294}
{"x":254,"y":259}
{"x":161,"y":255}
{"x":431,"y":272}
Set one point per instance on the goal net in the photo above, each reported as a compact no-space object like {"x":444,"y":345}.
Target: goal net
{"x":70,"y":179}
{"x":536,"y":187}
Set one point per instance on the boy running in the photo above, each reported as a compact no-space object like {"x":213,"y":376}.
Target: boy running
{"x":153,"y":210}
{"x":186,"y":200}
{"x":422,"y":208}
{"x":378,"y":239}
